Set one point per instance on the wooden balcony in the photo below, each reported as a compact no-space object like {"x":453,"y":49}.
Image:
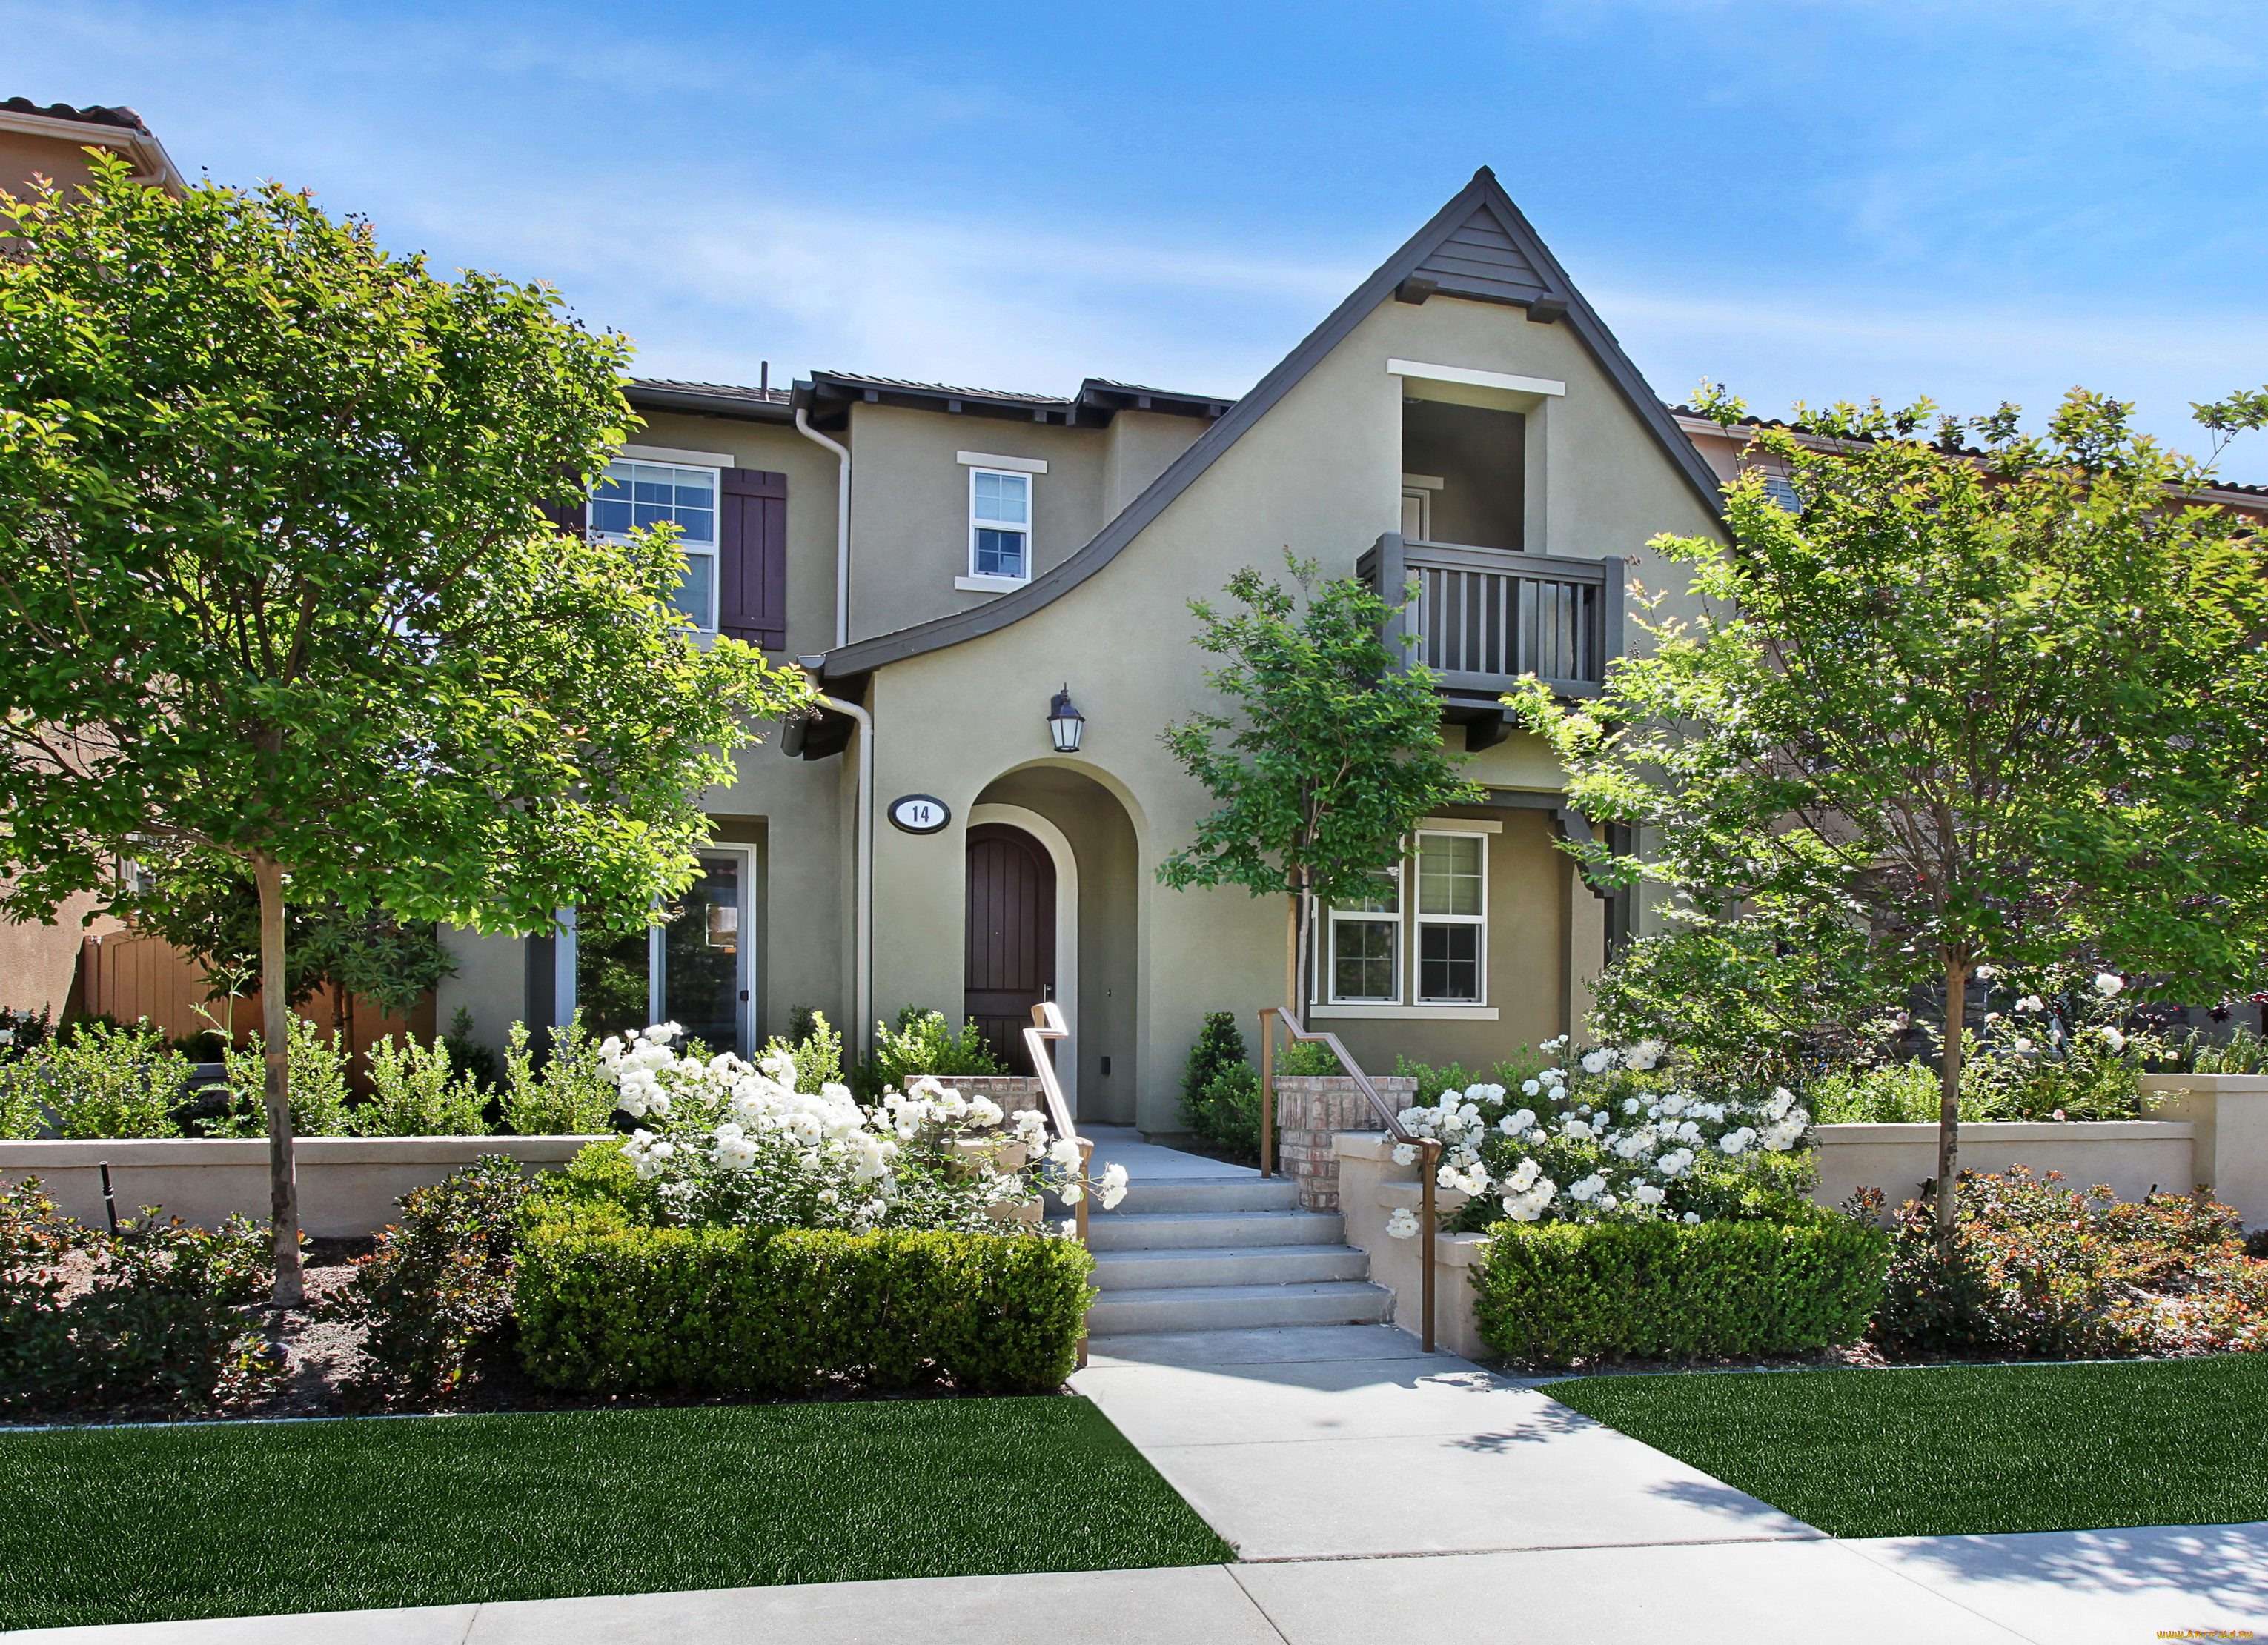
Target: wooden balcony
{"x":1486,"y":616}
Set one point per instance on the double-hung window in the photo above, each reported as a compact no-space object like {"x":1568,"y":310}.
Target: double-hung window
{"x":1421,"y":938}
{"x":1366,"y":947}
{"x":633,"y":493}
{"x":999,"y":523}
{"x":1452,"y":918}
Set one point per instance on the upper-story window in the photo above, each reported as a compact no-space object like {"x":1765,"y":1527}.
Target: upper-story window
{"x":633,"y":494}
{"x":999,"y":523}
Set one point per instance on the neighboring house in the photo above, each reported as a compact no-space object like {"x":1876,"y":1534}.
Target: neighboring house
{"x":38,"y":962}
{"x":1463,"y":419}
{"x":53,"y":142}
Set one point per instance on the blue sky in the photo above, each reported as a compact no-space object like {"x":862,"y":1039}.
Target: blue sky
{"x":1809,"y":199}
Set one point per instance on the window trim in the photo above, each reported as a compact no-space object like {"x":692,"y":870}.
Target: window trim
{"x":660,"y":457}
{"x":994,"y":581}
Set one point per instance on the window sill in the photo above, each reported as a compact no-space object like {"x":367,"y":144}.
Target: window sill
{"x":1404,"y":1013}
{"x":991,"y":585}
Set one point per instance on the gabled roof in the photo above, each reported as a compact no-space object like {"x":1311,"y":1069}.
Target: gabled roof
{"x":93,"y":114}
{"x":1478,"y":247}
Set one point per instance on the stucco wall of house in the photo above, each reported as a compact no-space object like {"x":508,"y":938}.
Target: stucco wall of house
{"x":1320,"y":473}
{"x":910,"y":506}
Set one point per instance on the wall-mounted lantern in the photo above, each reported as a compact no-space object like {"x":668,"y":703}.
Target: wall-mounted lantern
{"x":1065,"y":722}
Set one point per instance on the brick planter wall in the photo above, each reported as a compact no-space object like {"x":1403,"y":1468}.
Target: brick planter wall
{"x":1014,"y":1092}
{"x":1310,"y":1110}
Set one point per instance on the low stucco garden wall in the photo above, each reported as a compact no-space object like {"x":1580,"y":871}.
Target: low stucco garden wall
{"x":349,"y":1185}
{"x":2130,"y":1157}
{"x":2212,"y":1133}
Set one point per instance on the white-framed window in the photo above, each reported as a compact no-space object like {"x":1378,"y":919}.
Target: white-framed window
{"x":1452,"y":958}
{"x":1363,"y":947}
{"x":634,"y":492}
{"x":999,"y":524}
{"x":1422,"y":939}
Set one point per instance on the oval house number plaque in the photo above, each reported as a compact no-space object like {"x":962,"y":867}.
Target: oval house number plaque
{"x":920,"y":813}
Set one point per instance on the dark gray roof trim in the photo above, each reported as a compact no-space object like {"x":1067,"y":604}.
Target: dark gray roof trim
{"x":1484,"y":197}
{"x":829,"y":395}
{"x":709,"y":400}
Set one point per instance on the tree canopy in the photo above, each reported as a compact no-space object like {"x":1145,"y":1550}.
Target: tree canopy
{"x":1981,"y":704}
{"x":1336,"y":758}
{"x":283,"y":593}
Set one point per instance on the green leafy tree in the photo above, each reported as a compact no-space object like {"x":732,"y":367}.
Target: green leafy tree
{"x":1985,"y":708}
{"x":281,"y":591}
{"x":1337,"y":757}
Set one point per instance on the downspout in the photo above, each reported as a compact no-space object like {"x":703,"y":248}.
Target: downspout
{"x":841,"y":527}
{"x":862,"y":915}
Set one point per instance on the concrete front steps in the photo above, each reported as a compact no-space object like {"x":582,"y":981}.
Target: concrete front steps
{"x":1214,"y":1253}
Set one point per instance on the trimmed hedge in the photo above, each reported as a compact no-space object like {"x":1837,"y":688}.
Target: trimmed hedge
{"x":607,"y":1303}
{"x":1566,"y":1292}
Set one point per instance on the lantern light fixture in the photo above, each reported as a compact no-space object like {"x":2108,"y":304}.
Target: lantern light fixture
{"x":1065,"y":722}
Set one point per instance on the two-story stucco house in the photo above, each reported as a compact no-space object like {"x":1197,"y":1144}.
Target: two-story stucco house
{"x":952,"y":564}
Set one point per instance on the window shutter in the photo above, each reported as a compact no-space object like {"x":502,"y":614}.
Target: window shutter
{"x":752,"y":558}
{"x":572,"y":512}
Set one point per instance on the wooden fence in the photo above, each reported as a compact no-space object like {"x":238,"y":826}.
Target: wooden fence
{"x":128,"y":976}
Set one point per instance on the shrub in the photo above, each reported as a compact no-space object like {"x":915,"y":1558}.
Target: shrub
{"x":438,"y":1290}
{"x":319,"y":1086}
{"x":1217,"y":1047}
{"x":815,"y":1046}
{"x":1568,"y":1292}
{"x":2039,"y":1271}
{"x":1510,"y":1073}
{"x":165,"y":1318}
{"x":103,"y":1080}
{"x":473,"y":1061}
{"x":415,"y":1091}
{"x":1225,"y":1114}
{"x":607,"y":1304}
{"x":569,"y":1096}
{"x":922,"y":1043}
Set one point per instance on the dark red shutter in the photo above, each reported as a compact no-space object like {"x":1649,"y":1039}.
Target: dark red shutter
{"x":752,"y":558}
{"x":572,"y":512}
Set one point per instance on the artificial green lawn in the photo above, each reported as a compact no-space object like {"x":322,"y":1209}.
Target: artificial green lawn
{"x":1966,"y":1450}
{"x":141,"y":1524}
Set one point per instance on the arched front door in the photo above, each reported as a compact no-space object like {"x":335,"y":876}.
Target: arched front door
{"x":1009,"y":965}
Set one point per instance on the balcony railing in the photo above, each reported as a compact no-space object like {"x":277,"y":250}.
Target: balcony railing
{"x":1486,"y":616}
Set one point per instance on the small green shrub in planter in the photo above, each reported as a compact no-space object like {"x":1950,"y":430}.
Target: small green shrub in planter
{"x":319,"y":1086}
{"x":922,"y":1042}
{"x":608,"y":1302}
{"x":100,"y":1081}
{"x":1567,"y":1292}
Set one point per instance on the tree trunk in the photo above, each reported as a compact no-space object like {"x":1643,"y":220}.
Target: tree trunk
{"x":274,"y":1027}
{"x":1303,"y":953}
{"x":1949,"y":1093}
{"x":1291,"y":955}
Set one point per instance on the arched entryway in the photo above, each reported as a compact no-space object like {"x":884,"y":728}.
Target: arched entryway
{"x":1009,"y":963}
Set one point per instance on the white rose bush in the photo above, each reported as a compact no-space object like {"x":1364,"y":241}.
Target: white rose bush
{"x":727,"y":1142}
{"x":1613,"y":1136}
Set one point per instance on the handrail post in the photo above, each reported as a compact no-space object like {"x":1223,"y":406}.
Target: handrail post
{"x":1267,"y":1095}
{"x":1429,"y":1159}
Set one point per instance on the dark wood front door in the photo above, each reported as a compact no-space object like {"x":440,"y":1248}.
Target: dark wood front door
{"x":1010,"y":963}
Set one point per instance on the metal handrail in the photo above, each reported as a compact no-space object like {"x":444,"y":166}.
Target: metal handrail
{"x":1047,"y":1025}
{"x":1429,"y":1148}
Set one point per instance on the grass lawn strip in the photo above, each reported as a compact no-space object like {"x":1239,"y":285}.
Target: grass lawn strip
{"x":1966,"y":1450}
{"x":135,"y":1525}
